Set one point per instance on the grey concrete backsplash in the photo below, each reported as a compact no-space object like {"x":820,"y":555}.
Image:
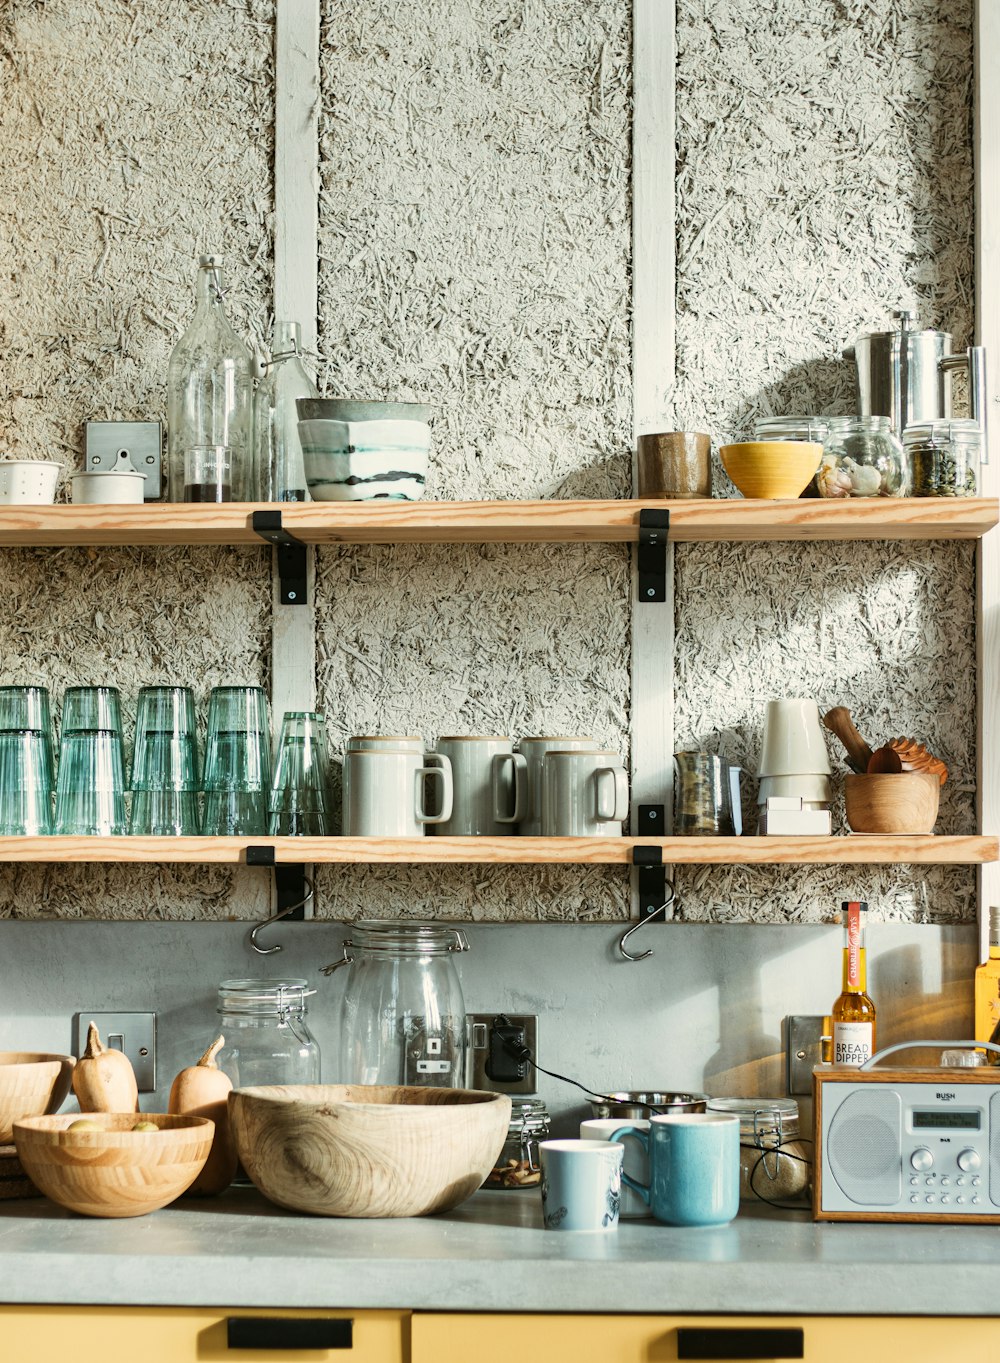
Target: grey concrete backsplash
{"x":475,"y":253}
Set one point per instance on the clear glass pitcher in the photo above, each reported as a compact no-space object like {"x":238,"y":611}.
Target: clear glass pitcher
{"x":402,"y":1019}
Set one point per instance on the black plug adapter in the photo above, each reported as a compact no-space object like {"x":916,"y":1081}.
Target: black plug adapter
{"x":508,"y":1057}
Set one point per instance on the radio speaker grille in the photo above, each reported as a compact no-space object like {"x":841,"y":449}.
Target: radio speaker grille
{"x":863,"y":1147}
{"x":995,"y":1149}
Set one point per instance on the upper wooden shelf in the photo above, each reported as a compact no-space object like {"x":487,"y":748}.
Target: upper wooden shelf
{"x":750,"y":851}
{"x":877,"y":518}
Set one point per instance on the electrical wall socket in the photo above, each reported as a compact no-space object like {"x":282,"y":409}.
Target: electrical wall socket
{"x":132,"y":1033}
{"x":525,"y":1027}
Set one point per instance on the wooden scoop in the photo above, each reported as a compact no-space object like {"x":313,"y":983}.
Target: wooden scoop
{"x":914,"y":757}
{"x":885,"y":761}
{"x":839,"y":722}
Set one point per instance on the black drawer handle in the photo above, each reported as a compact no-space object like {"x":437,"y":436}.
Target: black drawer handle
{"x":281,"y":1332}
{"x":740,"y":1342}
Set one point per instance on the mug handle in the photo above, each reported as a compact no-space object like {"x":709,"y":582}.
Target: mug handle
{"x":443,"y":774}
{"x":520,"y":779}
{"x":637,"y":1133}
{"x":616,"y":809}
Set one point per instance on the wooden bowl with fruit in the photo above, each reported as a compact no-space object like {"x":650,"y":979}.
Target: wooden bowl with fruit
{"x":113,"y":1163}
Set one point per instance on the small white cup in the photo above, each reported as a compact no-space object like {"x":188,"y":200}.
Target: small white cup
{"x":384,"y":795}
{"x":793,"y":740}
{"x":581,"y":1184}
{"x":584,"y":795}
{"x":28,"y":481}
{"x":111,"y":488}
{"x":533,"y":750}
{"x":633,"y":1207}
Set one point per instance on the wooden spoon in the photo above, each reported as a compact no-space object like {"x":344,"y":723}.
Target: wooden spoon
{"x":885,"y":760}
{"x":839,"y":722}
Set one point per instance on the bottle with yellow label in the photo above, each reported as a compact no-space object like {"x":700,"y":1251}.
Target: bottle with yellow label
{"x":854,"y":1012}
{"x":988,"y":985}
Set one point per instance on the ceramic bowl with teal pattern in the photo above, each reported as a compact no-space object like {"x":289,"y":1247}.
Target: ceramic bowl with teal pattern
{"x":364,"y":451}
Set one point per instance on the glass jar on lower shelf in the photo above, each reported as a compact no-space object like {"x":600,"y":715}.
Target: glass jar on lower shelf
{"x":517,"y":1164}
{"x":862,"y":457}
{"x":775,"y":1164}
{"x":943,"y":458}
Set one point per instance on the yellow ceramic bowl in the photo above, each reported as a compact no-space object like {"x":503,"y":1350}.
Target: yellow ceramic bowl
{"x":772,"y":469}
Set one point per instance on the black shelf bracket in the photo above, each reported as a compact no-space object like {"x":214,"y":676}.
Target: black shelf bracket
{"x":292,"y":891}
{"x":291,"y":556}
{"x":654,"y":535}
{"x":649,"y":860}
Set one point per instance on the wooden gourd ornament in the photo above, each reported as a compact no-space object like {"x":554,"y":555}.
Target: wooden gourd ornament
{"x":202,"y":1090}
{"x":103,"y":1079}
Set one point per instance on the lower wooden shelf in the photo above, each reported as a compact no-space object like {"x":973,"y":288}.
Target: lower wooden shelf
{"x":972,"y":850}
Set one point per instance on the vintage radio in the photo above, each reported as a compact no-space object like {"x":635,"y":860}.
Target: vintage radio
{"x":907,"y":1144}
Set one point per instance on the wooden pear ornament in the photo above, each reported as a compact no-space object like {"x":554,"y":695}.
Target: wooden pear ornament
{"x":103,"y":1079}
{"x":202,"y":1090}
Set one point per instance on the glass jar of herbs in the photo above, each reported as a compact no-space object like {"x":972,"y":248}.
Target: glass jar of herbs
{"x":943,"y":458}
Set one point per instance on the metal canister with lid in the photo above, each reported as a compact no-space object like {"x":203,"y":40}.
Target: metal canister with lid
{"x":518,"y":1165}
{"x":775,"y":1165}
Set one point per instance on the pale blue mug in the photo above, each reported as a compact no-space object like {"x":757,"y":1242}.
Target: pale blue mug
{"x":581,"y":1184}
{"x":694,"y":1167}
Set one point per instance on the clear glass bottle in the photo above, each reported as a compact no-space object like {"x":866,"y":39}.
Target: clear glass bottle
{"x":518,"y":1165}
{"x":853,"y":1012}
{"x":280,"y":471}
{"x":209,"y":402}
{"x":862,"y":457}
{"x":402,"y":1019}
{"x":943,"y":458}
{"x":267,"y":1038}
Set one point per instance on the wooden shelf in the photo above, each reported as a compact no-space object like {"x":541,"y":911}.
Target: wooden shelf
{"x":853,"y":850}
{"x":164,"y":523}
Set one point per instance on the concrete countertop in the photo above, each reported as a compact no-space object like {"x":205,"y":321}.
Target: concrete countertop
{"x":490,"y":1254}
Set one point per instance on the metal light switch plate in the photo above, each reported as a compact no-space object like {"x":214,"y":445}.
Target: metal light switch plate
{"x":804,"y":1035}
{"x":132,"y":1033}
{"x":142,"y":441}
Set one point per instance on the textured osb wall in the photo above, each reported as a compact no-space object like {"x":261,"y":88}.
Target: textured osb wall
{"x":824,"y":177}
{"x":475,"y":248}
{"x":135,"y":135}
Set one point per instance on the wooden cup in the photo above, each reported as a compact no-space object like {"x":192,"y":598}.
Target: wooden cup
{"x":675,"y":464}
{"x":903,"y":802}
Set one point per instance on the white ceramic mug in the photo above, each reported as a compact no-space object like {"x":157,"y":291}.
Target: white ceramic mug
{"x":385,"y":795}
{"x":633,"y":1205}
{"x":584,"y":795}
{"x":490,"y":786}
{"x":581,"y":1184}
{"x":793,"y":740}
{"x":533,"y":750}
{"x":24,"y":481}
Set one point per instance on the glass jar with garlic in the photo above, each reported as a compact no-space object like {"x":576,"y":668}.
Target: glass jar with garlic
{"x":861,"y":458}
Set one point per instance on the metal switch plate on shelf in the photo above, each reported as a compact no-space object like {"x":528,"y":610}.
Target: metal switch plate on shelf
{"x":804,"y":1035}
{"x":525,"y":1025}
{"x":142,"y":441}
{"x":132,"y":1033}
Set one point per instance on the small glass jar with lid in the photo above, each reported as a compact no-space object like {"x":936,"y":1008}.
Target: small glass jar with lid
{"x":775,"y":1165}
{"x":267,"y":1038}
{"x":862,"y":457}
{"x":943,"y":458}
{"x":811,"y":428}
{"x":518,"y":1165}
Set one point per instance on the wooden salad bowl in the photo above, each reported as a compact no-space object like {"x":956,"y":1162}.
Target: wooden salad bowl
{"x":358,"y":1150}
{"x":904,"y":802}
{"x":31,"y":1084}
{"x":114,"y":1171}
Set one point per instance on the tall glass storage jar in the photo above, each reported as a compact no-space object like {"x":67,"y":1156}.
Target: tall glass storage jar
{"x":209,"y":402}
{"x":267,"y":1039}
{"x":402,"y":1020}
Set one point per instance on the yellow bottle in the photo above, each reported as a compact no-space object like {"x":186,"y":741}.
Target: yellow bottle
{"x":853,"y":1013}
{"x":988,"y":984}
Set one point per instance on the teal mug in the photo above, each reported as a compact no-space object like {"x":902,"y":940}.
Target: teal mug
{"x":694,"y":1167}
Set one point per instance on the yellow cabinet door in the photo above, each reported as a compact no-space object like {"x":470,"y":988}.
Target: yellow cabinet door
{"x":662,"y":1339}
{"x":135,"y":1334}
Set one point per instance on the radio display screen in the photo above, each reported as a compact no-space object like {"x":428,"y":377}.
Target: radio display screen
{"x":944,"y":1117}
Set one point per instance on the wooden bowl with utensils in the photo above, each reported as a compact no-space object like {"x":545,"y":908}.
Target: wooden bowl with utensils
{"x":904,"y":802}
{"x":32,"y":1083}
{"x":115,"y":1170}
{"x":367,"y":1151}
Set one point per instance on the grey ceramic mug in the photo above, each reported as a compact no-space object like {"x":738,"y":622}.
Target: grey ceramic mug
{"x":385,"y":794}
{"x":490,"y":786}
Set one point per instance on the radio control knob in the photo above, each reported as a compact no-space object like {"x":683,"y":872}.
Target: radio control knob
{"x":922,"y":1158}
{"x":968,"y":1160}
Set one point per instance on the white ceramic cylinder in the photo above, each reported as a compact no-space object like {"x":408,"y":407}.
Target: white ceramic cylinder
{"x":119,"y":489}
{"x":793,"y":740}
{"x":28,"y":481}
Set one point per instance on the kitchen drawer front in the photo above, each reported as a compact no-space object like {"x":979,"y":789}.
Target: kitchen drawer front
{"x":109,"y":1334}
{"x":662,"y":1339}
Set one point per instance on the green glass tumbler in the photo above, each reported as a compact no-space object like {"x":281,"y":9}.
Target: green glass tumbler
{"x":26,"y":784}
{"x":165,"y":753}
{"x":237,"y":762}
{"x":90,"y":791}
{"x":26,"y":709}
{"x":299,"y":800}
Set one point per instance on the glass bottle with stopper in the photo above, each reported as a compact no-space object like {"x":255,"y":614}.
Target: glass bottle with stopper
{"x":854,"y":1012}
{"x":209,"y":401}
{"x":281,"y":475}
